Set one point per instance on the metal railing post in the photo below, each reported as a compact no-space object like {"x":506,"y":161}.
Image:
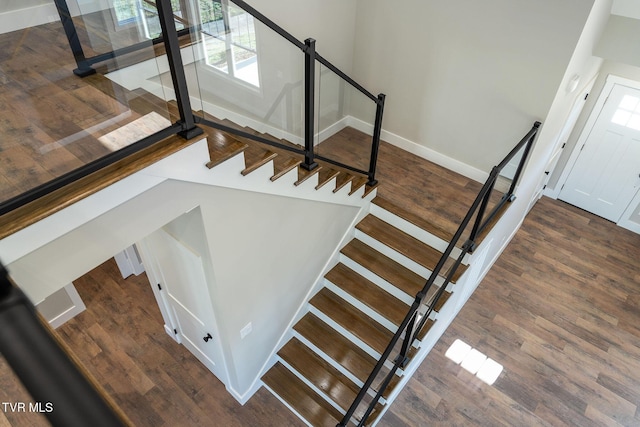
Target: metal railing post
{"x":170,"y":36}
{"x":375,"y":144}
{"x":524,"y":158}
{"x":483,"y":206}
{"x":309,"y":103}
{"x":84,"y":69}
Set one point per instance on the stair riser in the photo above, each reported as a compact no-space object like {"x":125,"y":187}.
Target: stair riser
{"x":412,"y":230}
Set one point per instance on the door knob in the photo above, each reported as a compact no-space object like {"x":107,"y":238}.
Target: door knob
{"x":207,"y":338}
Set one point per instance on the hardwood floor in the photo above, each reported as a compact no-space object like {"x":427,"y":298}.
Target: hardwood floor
{"x":52,"y":120}
{"x":155,"y":381}
{"x":560,"y":311}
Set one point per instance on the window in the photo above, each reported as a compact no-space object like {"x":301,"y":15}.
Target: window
{"x":628,"y":113}
{"x":230,"y":40}
{"x":145,"y":15}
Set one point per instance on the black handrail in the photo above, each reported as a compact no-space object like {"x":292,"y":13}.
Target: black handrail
{"x":345,"y":77}
{"x":65,"y":395}
{"x":408,"y":324}
{"x":481,"y":221}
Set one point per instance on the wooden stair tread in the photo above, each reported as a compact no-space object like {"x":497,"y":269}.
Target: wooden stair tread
{"x":406,"y":245}
{"x":351,"y":357}
{"x":368,"y":293}
{"x":414,"y":219}
{"x":325,"y":175}
{"x":305,"y":401}
{"x":321,"y":374}
{"x":342,"y":180}
{"x":304,"y":174}
{"x":369,"y":188}
{"x":443,"y":299}
{"x":283,"y":164}
{"x":222,"y":146}
{"x":254,"y":157}
{"x":336,"y":346}
{"x":383,"y":266}
{"x":425,"y":329}
{"x":353,"y":320}
{"x":357,"y":183}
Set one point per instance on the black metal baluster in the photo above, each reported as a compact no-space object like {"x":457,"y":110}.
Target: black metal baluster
{"x":178,"y":77}
{"x":309,"y":103}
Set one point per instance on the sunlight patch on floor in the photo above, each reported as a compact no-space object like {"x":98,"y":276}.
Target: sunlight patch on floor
{"x":474,"y":361}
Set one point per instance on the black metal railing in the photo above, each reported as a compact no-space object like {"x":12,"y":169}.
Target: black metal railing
{"x":421,"y":309}
{"x":311,"y":57}
{"x":185,"y":126}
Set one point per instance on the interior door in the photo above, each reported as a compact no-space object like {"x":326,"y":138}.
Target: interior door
{"x":605,"y":176}
{"x":186,"y":293}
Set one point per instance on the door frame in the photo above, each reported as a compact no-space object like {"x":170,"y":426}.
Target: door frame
{"x":610,"y":82}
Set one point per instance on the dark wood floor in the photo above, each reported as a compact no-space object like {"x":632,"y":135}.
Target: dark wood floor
{"x":559,"y":310}
{"x":51,"y":119}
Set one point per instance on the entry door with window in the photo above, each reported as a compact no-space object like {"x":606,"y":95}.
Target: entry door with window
{"x":606,"y":174}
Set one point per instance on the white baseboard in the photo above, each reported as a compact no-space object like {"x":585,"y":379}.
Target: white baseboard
{"x":422,"y":151}
{"x":77,"y":307}
{"x":15,"y":20}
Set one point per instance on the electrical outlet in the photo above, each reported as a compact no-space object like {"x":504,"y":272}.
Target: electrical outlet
{"x":246,"y":330}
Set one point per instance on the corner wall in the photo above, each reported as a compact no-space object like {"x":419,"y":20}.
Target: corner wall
{"x":466,"y":79}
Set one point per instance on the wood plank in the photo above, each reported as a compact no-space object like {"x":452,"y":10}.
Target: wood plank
{"x":57,"y":200}
{"x":353,"y":320}
{"x":413,"y":218}
{"x":368,"y":293}
{"x":326,"y":175}
{"x":254,"y":157}
{"x":222,"y":146}
{"x":383,"y":266}
{"x":336,"y":346}
{"x":325,"y":377}
{"x":301,"y":397}
{"x":406,"y":245}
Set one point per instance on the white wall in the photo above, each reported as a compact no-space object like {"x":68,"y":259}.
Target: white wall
{"x":329,"y":22}
{"x":466,"y":79}
{"x":619,"y":41}
{"x":266,"y":250}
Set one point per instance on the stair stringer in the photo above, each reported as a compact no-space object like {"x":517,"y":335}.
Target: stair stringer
{"x":227,"y":174}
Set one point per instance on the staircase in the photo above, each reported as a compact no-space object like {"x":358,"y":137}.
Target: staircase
{"x":351,"y":320}
{"x":348,"y":323}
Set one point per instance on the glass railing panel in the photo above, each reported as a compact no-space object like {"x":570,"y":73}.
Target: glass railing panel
{"x":345,"y":120}
{"x":109,"y":25}
{"x":244,"y":74}
{"x":54,"y":122}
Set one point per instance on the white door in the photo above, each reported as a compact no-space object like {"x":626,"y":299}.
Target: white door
{"x":606,"y":174}
{"x":185,"y":291}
